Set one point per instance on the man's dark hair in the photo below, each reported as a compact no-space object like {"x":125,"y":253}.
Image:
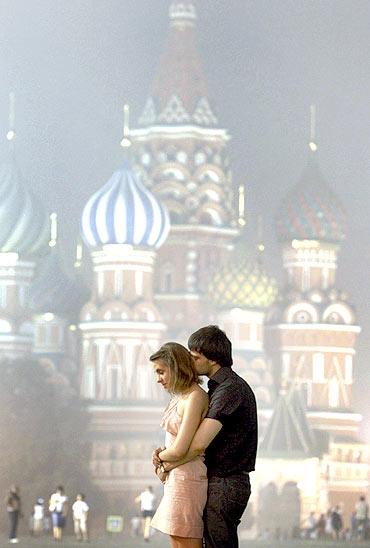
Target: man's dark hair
{"x":213,"y":343}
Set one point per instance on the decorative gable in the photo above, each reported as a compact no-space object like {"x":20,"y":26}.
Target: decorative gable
{"x":174,"y":112}
{"x":203,"y":114}
{"x":149,"y":114}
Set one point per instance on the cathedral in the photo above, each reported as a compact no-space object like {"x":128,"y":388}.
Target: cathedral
{"x":166,"y":236}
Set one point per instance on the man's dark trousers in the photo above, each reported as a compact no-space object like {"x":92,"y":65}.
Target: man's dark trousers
{"x":227,"y":499}
{"x":13,"y":517}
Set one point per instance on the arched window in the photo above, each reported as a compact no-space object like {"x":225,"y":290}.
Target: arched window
{"x":89,"y":392}
{"x":333,"y":392}
{"x":167,"y":284}
{"x":302,"y":316}
{"x":113,"y":382}
{"x":318,"y":364}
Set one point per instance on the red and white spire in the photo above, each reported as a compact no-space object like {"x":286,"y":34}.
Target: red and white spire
{"x":179,"y":93}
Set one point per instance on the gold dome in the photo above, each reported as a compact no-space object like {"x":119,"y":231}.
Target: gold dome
{"x":246,"y":285}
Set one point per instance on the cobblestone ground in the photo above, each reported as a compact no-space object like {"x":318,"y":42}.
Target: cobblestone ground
{"x":158,"y":541}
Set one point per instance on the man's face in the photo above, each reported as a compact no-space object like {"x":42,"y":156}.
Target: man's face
{"x":202,"y":364}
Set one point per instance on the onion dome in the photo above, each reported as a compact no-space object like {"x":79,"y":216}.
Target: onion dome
{"x":123,"y":211}
{"x":24,"y":223}
{"x":311,"y":210}
{"x":50,"y":287}
{"x":243,"y":285}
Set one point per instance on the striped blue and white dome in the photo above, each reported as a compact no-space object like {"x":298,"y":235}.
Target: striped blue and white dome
{"x":24,"y":222}
{"x":123,"y":211}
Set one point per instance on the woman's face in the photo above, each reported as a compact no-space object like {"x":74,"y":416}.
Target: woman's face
{"x":162,"y":372}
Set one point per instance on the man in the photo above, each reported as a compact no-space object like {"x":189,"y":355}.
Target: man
{"x":227,"y":435}
{"x":362,"y":515}
{"x":147,"y":501}
{"x":13,"y":507}
{"x":80,"y":510}
{"x":336,"y":522}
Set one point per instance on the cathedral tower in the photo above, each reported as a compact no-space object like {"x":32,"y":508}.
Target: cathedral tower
{"x":24,"y":236}
{"x":312,"y":331}
{"x":181,"y":151}
{"x":242,"y":292}
{"x":123,"y":225}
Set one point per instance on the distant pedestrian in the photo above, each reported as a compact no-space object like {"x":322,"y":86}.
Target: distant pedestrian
{"x":58,"y":506}
{"x":147,"y":500}
{"x":311,"y":526}
{"x":80,"y":511}
{"x":362,"y":515}
{"x":336,"y":523}
{"x":328,"y":527}
{"x":14,"y":509}
{"x":320,"y":526}
{"x":353,"y":525}
{"x":135,"y":526}
{"x":38,"y":517}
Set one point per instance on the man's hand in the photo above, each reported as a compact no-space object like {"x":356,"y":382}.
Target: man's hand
{"x":168,"y":466}
{"x":155,"y":458}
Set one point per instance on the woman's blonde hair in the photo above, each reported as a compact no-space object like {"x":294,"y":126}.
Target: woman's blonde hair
{"x":181,"y":366}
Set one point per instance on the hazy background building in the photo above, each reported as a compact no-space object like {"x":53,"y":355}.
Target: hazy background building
{"x":254,"y":69}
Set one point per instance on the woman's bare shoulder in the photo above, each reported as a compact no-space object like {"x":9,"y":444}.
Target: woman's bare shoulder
{"x":198,"y":394}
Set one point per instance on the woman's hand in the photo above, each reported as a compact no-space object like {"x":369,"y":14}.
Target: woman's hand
{"x":161,"y":473}
{"x":155,"y":458}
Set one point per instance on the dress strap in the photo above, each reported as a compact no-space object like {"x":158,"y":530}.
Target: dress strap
{"x":172,"y":404}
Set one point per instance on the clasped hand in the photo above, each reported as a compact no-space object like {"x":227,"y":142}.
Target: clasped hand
{"x":158,"y":464}
{"x":155,"y":456}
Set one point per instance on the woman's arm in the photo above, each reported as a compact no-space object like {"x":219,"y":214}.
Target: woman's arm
{"x":194,"y":408}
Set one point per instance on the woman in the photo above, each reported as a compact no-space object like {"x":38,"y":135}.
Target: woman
{"x":58,"y":506}
{"x":180,"y":511}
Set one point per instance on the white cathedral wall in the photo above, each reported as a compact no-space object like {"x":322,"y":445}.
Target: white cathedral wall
{"x":305,"y":472}
{"x":122,"y":361}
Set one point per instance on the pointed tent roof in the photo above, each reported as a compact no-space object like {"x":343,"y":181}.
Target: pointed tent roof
{"x":288,"y":433}
{"x":179,"y":92}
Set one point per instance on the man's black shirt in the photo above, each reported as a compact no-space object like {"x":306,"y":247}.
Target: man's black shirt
{"x":231,"y":402}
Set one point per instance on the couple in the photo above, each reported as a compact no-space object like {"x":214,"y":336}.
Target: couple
{"x":211,"y":442}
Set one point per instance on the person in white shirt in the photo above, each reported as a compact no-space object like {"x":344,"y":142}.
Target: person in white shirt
{"x":80,"y":511}
{"x":38,"y":517}
{"x":362,"y":515}
{"x":58,"y":506}
{"x":147,"y":500}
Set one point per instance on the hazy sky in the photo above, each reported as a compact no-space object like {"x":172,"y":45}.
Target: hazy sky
{"x":73,"y":63}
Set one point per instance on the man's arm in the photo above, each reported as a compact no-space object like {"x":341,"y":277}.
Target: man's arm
{"x":207,"y":431}
{"x":194,"y":408}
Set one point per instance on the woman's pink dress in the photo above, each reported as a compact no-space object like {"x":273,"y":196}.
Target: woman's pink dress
{"x":185,"y":490}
